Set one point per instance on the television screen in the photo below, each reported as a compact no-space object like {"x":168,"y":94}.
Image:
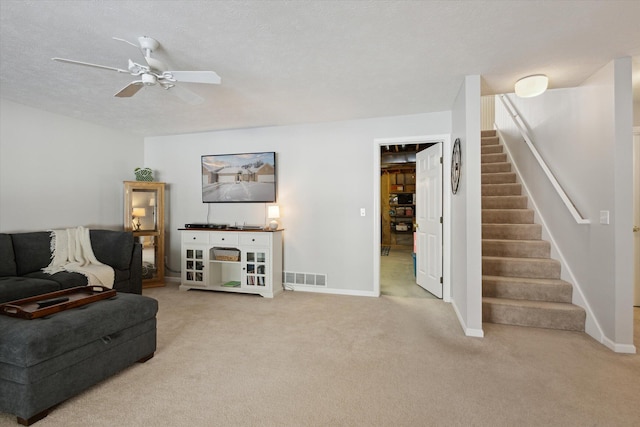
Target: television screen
{"x":242,"y":178}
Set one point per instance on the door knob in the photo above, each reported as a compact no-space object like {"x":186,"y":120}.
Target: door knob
{"x":636,"y":228}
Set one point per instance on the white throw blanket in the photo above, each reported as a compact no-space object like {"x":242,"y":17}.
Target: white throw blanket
{"x":71,"y":251}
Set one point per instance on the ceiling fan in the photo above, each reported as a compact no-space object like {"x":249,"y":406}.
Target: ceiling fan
{"x":154,"y":73}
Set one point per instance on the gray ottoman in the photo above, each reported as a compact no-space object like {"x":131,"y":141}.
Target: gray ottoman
{"x":48,"y":360}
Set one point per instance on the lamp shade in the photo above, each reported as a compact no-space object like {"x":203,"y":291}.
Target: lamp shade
{"x":139,"y":212}
{"x":531,"y":86}
{"x":273,"y":211}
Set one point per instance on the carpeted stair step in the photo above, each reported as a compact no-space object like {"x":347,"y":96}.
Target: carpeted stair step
{"x":498,"y":177}
{"x":504,"y":202}
{"x":551,"y":290}
{"x":495,"y":167}
{"x":512,"y":231}
{"x":493,"y":158}
{"x":538,"y":268}
{"x":539,"y":314}
{"x":516,"y":248}
{"x":491,"y":149}
{"x":489,"y":140}
{"x":511,"y":189}
{"x":487,"y":133}
{"x":507,"y":216}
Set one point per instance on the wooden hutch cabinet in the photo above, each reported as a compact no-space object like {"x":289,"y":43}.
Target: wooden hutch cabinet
{"x":144,"y":216}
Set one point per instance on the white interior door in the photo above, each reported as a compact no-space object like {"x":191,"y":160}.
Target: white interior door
{"x":429,"y":219}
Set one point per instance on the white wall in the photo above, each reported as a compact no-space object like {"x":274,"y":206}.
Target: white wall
{"x":466,"y":227}
{"x":584,"y":135}
{"x":324,"y":178}
{"x":57,"y":171}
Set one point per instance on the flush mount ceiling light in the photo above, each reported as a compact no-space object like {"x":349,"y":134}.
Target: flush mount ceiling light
{"x":530,"y":86}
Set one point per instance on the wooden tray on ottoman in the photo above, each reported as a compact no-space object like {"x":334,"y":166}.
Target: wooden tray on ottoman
{"x":54,"y":302}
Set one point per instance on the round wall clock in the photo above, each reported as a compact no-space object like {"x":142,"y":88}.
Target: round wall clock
{"x":456,"y":165}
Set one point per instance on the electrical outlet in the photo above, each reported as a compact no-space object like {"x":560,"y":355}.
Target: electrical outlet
{"x":363,"y":212}
{"x":604,"y":217}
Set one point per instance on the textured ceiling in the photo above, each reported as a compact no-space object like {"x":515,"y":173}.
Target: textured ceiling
{"x":286,"y":62}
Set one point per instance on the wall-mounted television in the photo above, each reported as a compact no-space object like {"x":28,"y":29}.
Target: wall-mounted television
{"x":239,"y":178}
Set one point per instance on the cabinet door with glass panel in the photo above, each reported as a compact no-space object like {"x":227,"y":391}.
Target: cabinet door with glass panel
{"x":193,"y":269}
{"x":256,"y":276}
{"x":144,"y":217}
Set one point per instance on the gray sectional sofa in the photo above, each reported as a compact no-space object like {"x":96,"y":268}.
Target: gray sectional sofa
{"x":48,"y":360}
{"x":24,"y":255}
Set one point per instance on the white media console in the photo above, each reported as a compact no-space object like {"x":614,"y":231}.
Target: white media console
{"x":232,"y":261}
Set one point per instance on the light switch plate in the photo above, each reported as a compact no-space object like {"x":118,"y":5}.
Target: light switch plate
{"x":363,"y":212}
{"x":604,"y":217}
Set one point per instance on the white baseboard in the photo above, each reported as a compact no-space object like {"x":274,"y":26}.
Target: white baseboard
{"x":619,"y":348}
{"x":291,"y":287}
{"x":470,"y":332}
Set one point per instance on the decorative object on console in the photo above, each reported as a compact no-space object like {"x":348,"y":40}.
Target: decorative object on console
{"x":239,"y":178}
{"x":143,"y":174}
{"x":207,"y":225}
{"x":273,"y":213}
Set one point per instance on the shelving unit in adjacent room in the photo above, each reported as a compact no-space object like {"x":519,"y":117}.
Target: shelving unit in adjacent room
{"x":398,"y":210}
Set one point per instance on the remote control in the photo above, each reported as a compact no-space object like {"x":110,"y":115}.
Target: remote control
{"x":52,"y":301}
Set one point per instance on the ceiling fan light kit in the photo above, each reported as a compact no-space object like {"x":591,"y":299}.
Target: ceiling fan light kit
{"x":149,"y":79}
{"x":154,"y":73}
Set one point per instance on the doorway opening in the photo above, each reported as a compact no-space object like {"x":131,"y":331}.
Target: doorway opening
{"x":394,"y":214}
{"x":398,"y":220}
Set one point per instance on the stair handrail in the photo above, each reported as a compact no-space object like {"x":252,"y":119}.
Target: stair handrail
{"x":517,"y":120}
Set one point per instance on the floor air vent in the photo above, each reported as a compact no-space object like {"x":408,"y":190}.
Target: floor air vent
{"x":304,"y":279}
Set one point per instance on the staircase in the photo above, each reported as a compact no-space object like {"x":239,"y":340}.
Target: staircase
{"x":521,"y":284}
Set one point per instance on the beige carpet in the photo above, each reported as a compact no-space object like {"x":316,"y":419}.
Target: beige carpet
{"x":306,"y":359}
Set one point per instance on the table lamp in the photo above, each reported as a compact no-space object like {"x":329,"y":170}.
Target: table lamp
{"x":136,"y":214}
{"x":273,"y":213}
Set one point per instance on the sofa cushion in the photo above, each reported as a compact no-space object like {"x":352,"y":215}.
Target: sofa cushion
{"x":7,"y":257}
{"x":65,"y":279}
{"x":14,"y":288}
{"x":29,"y":342}
{"x":121,"y":275}
{"x":32,"y":251}
{"x":113,"y":248}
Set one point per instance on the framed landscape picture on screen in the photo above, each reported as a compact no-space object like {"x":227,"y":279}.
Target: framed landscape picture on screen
{"x":239,"y":178}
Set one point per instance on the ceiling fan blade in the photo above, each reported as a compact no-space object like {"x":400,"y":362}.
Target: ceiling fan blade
{"x":186,"y":95}
{"x":87,"y":64}
{"x":130,"y":90}
{"x":210,"y":77}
